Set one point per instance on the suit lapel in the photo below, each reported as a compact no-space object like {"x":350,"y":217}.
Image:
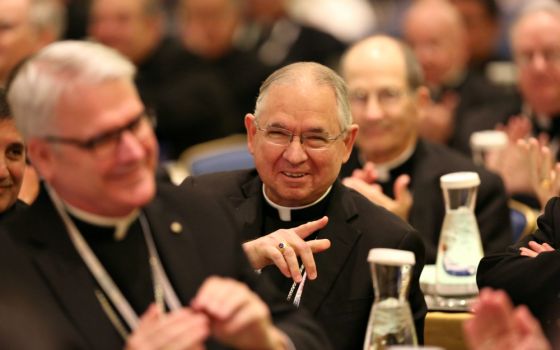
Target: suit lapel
{"x":67,"y":276}
{"x":331,"y":262}
{"x":173,"y":235}
{"x":248,"y":207}
{"x":339,"y":230}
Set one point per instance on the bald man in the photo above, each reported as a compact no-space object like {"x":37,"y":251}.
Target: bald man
{"x":387,"y":97}
{"x":465,"y":101}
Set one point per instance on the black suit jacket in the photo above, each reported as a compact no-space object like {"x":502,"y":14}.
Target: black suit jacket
{"x":427,"y":164}
{"x":29,"y":318}
{"x":192,"y":103}
{"x":481,"y":105}
{"x":342,"y":295}
{"x":204,"y":247}
{"x":531,"y":281}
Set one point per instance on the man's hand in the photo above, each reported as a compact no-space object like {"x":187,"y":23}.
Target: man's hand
{"x":181,"y":329}
{"x":368,"y":173}
{"x":535,"y":249}
{"x":265,"y":250}
{"x":545,"y":176}
{"x":362,"y":182}
{"x":239,"y":318}
{"x":437,"y":120}
{"x":511,"y":161}
{"x":496,"y":325}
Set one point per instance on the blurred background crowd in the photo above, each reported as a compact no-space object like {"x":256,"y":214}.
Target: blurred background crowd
{"x":200,"y":62}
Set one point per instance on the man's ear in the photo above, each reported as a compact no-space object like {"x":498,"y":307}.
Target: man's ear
{"x":349,"y":140}
{"x":423,"y":99}
{"x":251,"y":131}
{"x":40,"y":155}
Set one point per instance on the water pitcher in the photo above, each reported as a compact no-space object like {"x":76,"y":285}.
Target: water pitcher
{"x":390,"y":320}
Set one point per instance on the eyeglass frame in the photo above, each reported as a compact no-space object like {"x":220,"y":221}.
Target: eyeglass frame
{"x":550,"y":56}
{"x":396,"y":95}
{"x":302,"y":137}
{"x":92,"y":143}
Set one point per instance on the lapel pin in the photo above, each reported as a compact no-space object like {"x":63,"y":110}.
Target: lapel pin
{"x":176,"y":227}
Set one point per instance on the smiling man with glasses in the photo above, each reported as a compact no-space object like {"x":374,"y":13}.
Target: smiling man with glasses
{"x":129,"y":261}
{"x":391,"y":164}
{"x":302,"y":228}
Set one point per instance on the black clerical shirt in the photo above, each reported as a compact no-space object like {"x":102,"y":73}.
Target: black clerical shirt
{"x":125,"y":260}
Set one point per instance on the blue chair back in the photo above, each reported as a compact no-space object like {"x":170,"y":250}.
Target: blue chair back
{"x":523,"y":219}
{"x":228,"y":153}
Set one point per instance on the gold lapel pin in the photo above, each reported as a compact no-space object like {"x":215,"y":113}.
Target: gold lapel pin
{"x":176,"y":227}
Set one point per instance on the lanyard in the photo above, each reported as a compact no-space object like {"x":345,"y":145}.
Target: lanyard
{"x":163,"y":291}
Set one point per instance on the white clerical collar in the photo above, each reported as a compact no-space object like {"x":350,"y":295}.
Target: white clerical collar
{"x":121,"y":224}
{"x":543,"y":121}
{"x":285,"y":213}
{"x":384,"y":169}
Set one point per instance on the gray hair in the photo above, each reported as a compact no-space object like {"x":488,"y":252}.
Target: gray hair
{"x":41,"y":81}
{"x":48,"y":15}
{"x":550,"y":7}
{"x":321,"y":75}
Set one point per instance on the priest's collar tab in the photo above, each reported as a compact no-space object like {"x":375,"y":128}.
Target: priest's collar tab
{"x":121,"y":224}
{"x":285,"y":213}
{"x":384,"y":169}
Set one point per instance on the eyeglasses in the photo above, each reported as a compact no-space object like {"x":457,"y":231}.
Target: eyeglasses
{"x":311,"y":140}
{"x":386,"y":97}
{"x":106,"y":143}
{"x":551,"y":57}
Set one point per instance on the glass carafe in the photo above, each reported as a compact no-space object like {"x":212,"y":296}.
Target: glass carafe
{"x":390,"y":320}
{"x":460,"y":247}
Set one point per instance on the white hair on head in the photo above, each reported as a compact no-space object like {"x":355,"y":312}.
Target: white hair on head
{"x":41,"y":81}
{"x":551,"y":7}
{"x":319,"y":74}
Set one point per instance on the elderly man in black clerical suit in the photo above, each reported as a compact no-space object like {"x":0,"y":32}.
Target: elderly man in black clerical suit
{"x":129,"y":261}
{"x":391,"y":164}
{"x":293,"y":205}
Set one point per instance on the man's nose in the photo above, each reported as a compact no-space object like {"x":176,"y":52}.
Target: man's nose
{"x":295,"y":152}
{"x":373,"y":108}
{"x":130,"y":147}
{"x":4,"y":172}
{"x":538,"y":61}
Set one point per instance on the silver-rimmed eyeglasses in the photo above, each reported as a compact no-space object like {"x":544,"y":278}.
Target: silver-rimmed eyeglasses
{"x":284,"y":137}
{"x":386,"y":97}
{"x":107,"y":142}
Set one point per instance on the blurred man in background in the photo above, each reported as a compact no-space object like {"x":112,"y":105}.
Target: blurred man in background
{"x":464,"y":100}
{"x":391,"y":164}
{"x":26,"y":26}
{"x":191,"y":102}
